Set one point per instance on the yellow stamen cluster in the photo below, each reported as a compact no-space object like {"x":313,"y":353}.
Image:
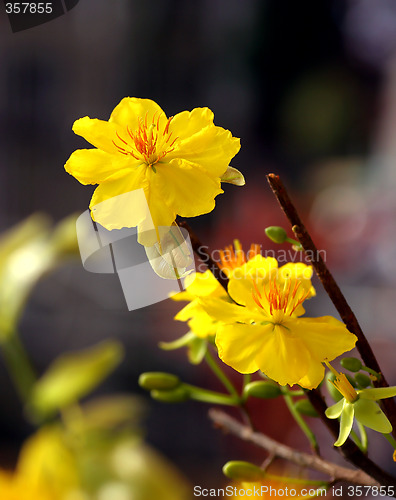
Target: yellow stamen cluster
{"x":231,"y":259}
{"x":286,"y":300}
{"x":148,"y":144}
{"x":343,"y":386}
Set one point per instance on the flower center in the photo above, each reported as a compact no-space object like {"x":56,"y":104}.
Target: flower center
{"x":148,"y":142}
{"x":343,"y":386}
{"x":231,"y":259}
{"x":278,"y":300}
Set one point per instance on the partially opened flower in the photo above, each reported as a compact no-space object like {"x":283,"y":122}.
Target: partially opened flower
{"x":264,"y":330}
{"x":177,"y":164}
{"x":361,"y":405}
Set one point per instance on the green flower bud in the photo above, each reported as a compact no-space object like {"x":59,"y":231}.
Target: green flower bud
{"x":242,"y":471}
{"x":158,"y":380}
{"x":362,"y":380}
{"x":262,"y":389}
{"x":305,"y":407}
{"x":177,"y":395}
{"x":276,"y":234}
{"x":351,"y":364}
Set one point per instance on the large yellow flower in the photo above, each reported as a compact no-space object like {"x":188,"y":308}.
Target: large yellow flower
{"x":176,"y":162}
{"x":265,"y":332}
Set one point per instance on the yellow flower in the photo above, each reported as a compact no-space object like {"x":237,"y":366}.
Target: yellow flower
{"x":177,"y":162}
{"x":46,"y":470}
{"x":206,"y":285}
{"x":264,"y":331}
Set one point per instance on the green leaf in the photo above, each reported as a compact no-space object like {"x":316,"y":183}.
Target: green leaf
{"x":74,"y":375}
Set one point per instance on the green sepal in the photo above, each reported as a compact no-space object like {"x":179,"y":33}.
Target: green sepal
{"x":346,"y":423}
{"x":305,"y":407}
{"x":351,"y":364}
{"x":233,"y":176}
{"x":158,"y":380}
{"x":370,"y":414}
{"x":262,"y":389}
{"x":335,"y":410}
{"x":378,"y":393}
{"x":197,"y":348}
{"x":239,"y":470}
{"x":178,"y":343}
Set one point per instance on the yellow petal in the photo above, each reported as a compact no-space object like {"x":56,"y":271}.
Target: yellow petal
{"x":114,"y":211}
{"x":185,"y":187}
{"x":239,"y":344}
{"x":188,"y":123}
{"x":93,"y":166}
{"x":130,"y":109}
{"x":204,"y":284}
{"x":198,"y":319}
{"x":226,"y":312}
{"x":314,"y":376}
{"x":210,"y":147}
{"x":283,"y":357}
{"x":324,"y":337}
{"x":99,"y":133}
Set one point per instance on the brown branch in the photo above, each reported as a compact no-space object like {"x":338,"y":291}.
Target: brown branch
{"x":332,"y":289}
{"x":334,"y":471}
{"x":203,"y":253}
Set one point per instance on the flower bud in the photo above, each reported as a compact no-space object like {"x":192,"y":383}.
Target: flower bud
{"x":158,"y":380}
{"x":243,"y":471}
{"x":351,"y":364}
{"x":262,"y":389}
{"x":305,"y":407}
{"x":177,"y":395}
{"x":276,"y":234}
{"x":362,"y":380}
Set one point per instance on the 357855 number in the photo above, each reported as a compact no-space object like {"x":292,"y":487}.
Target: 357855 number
{"x":29,"y":8}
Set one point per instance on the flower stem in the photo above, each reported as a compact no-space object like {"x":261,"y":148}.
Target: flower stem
{"x":220,"y":374}
{"x":207,"y":396}
{"x":391,"y":439}
{"x":18,"y":364}
{"x":301,"y":422}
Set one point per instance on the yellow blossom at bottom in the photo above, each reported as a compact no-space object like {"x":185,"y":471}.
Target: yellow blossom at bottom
{"x":269,"y":489}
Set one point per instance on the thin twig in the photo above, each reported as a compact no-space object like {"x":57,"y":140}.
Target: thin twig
{"x":332,"y":289}
{"x":334,"y":471}
{"x":203,"y":253}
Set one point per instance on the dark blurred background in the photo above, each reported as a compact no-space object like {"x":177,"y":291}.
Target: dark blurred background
{"x":309,"y":87}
